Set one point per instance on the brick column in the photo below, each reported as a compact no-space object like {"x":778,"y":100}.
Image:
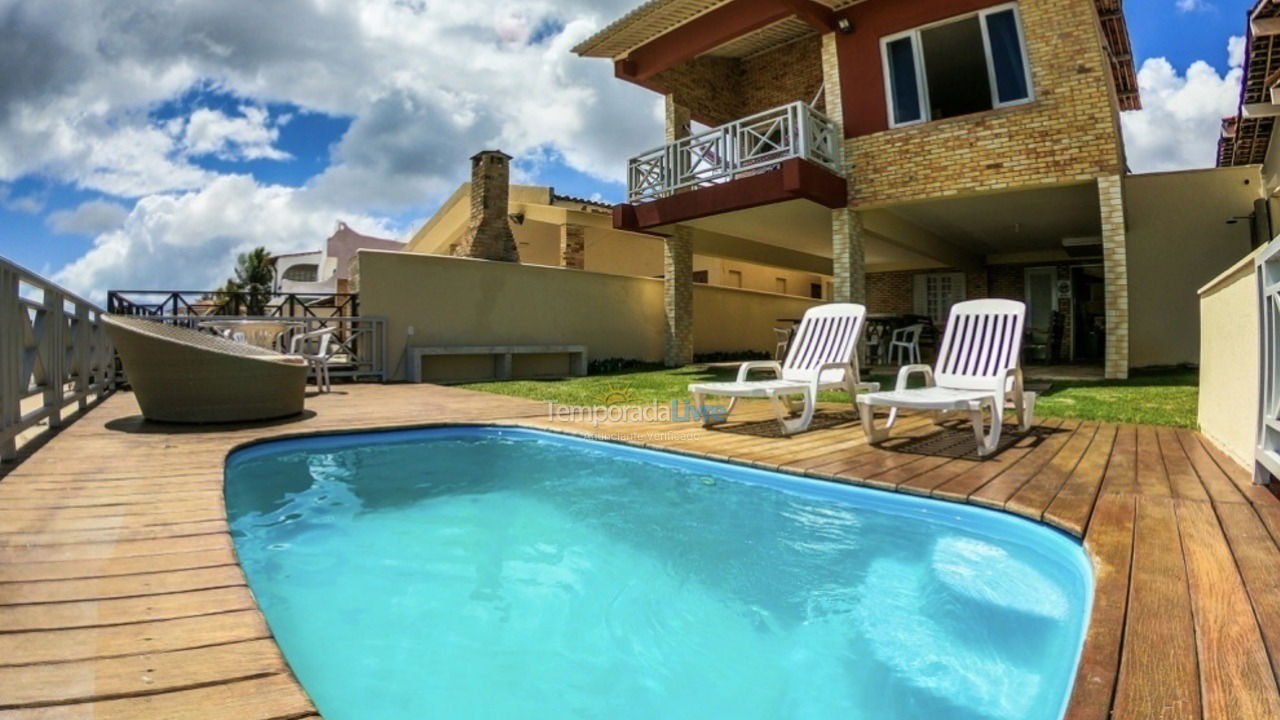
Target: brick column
{"x":832,"y":92}
{"x":679,"y":121}
{"x":678,"y":296}
{"x":1115,"y":275}
{"x":848,"y":257}
{"x":573,"y":246}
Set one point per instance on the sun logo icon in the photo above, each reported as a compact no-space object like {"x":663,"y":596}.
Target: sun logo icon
{"x":616,"y":395}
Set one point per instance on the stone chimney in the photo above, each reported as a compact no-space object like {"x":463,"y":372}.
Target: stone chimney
{"x":488,"y":234}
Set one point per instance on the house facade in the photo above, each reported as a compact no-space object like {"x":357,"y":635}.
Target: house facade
{"x":552,"y":229}
{"x":928,"y":151}
{"x":325,"y":271}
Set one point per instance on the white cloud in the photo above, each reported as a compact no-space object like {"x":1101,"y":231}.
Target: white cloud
{"x":426,"y":83}
{"x":1191,"y":5}
{"x":1236,"y":47}
{"x":1178,"y":126}
{"x":192,"y":239}
{"x":251,"y":136}
{"x":90,"y":218}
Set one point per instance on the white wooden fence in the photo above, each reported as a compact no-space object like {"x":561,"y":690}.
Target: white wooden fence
{"x":1268,"y":455}
{"x":53,"y":352}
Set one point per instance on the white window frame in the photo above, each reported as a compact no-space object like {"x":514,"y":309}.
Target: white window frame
{"x":922,"y":85}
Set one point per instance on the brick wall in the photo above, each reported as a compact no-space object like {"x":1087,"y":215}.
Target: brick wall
{"x":488,"y":235}
{"x":1069,"y":133}
{"x":781,"y":76}
{"x":720,"y":90}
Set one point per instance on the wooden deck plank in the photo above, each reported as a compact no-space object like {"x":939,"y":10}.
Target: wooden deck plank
{"x":1073,"y":505}
{"x":1111,"y":547}
{"x":103,"y":536}
{"x":118,"y":586}
{"x":275,"y":697}
{"x":1258,"y":559}
{"x":1033,"y":498}
{"x":135,"y":639}
{"x":1151,"y":476}
{"x":138,"y":675}
{"x":122,"y":611}
{"x":1183,"y":480}
{"x":1122,"y":471}
{"x":1159,"y":677}
{"x":1235,"y":674}
{"x":962,"y":486}
{"x":997,"y":492}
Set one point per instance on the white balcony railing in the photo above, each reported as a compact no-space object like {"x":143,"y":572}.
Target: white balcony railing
{"x":53,"y":352}
{"x":742,"y":147}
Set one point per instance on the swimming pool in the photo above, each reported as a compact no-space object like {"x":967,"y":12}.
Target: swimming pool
{"x":484,"y":572}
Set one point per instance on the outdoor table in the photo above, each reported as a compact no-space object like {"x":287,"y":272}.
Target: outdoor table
{"x":261,"y":333}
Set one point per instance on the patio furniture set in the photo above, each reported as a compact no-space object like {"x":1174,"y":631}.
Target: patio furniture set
{"x":978,"y":372}
{"x":234,"y":370}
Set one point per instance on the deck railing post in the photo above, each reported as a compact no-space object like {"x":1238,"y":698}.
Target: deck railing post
{"x":52,"y":352}
{"x":10,"y":361}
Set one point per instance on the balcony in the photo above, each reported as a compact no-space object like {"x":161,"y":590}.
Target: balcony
{"x":748,"y":146}
{"x":787,"y":153}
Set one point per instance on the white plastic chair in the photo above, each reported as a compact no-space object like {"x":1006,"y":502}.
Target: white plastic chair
{"x":904,"y":348}
{"x":977,"y":369}
{"x":823,"y":355}
{"x":302,"y":344}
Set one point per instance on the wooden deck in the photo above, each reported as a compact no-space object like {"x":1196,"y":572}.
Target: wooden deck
{"x":120,"y":595}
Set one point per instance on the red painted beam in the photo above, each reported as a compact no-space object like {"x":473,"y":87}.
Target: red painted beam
{"x":703,"y":33}
{"x":818,"y":16}
{"x":796,"y":179}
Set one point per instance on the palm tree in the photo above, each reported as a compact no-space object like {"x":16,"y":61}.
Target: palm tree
{"x":253,"y":279}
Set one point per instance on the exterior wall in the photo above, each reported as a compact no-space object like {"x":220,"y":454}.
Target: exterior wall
{"x":783,"y":75}
{"x":1229,"y":369}
{"x":1178,"y":239}
{"x":461,"y":301}
{"x":726,"y":320}
{"x":720,"y":90}
{"x":1068,"y":133}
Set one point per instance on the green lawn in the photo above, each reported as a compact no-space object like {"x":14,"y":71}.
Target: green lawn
{"x":1163,"y":397}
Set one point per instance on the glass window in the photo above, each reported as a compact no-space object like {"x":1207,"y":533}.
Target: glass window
{"x":903,"y":81}
{"x":1007,"y":63}
{"x":302,"y":273}
{"x":962,"y":66}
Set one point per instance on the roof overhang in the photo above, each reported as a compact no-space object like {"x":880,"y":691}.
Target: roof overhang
{"x":1246,"y":136}
{"x":662,"y":33}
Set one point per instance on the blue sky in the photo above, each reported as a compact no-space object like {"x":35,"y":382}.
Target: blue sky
{"x":202,"y":121}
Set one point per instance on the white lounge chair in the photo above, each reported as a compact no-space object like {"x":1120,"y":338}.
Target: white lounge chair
{"x":823,"y":356}
{"x":978,"y":368}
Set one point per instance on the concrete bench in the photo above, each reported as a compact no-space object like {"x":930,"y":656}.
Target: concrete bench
{"x":503,"y":354}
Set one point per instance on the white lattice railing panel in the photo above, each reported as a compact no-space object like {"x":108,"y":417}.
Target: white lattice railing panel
{"x":53,"y":352}
{"x":1268,"y":452}
{"x":745,"y":146}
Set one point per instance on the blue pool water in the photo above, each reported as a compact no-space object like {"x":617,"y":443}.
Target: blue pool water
{"x":502,"y":573}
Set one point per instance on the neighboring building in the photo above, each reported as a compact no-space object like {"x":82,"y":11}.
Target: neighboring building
{"x":325,"y":271}
{"x":1248,"y":137}
{"x":558,"y":230}
{"x":926,"y":151}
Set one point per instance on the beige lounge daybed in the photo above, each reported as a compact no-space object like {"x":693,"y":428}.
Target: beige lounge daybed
{"x":183,"y":375}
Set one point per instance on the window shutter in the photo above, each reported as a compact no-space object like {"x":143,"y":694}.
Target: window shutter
{"x":920,"y":294}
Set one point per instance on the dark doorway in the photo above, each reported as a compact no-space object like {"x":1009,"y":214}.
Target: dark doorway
{"x":1089,"y":319}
